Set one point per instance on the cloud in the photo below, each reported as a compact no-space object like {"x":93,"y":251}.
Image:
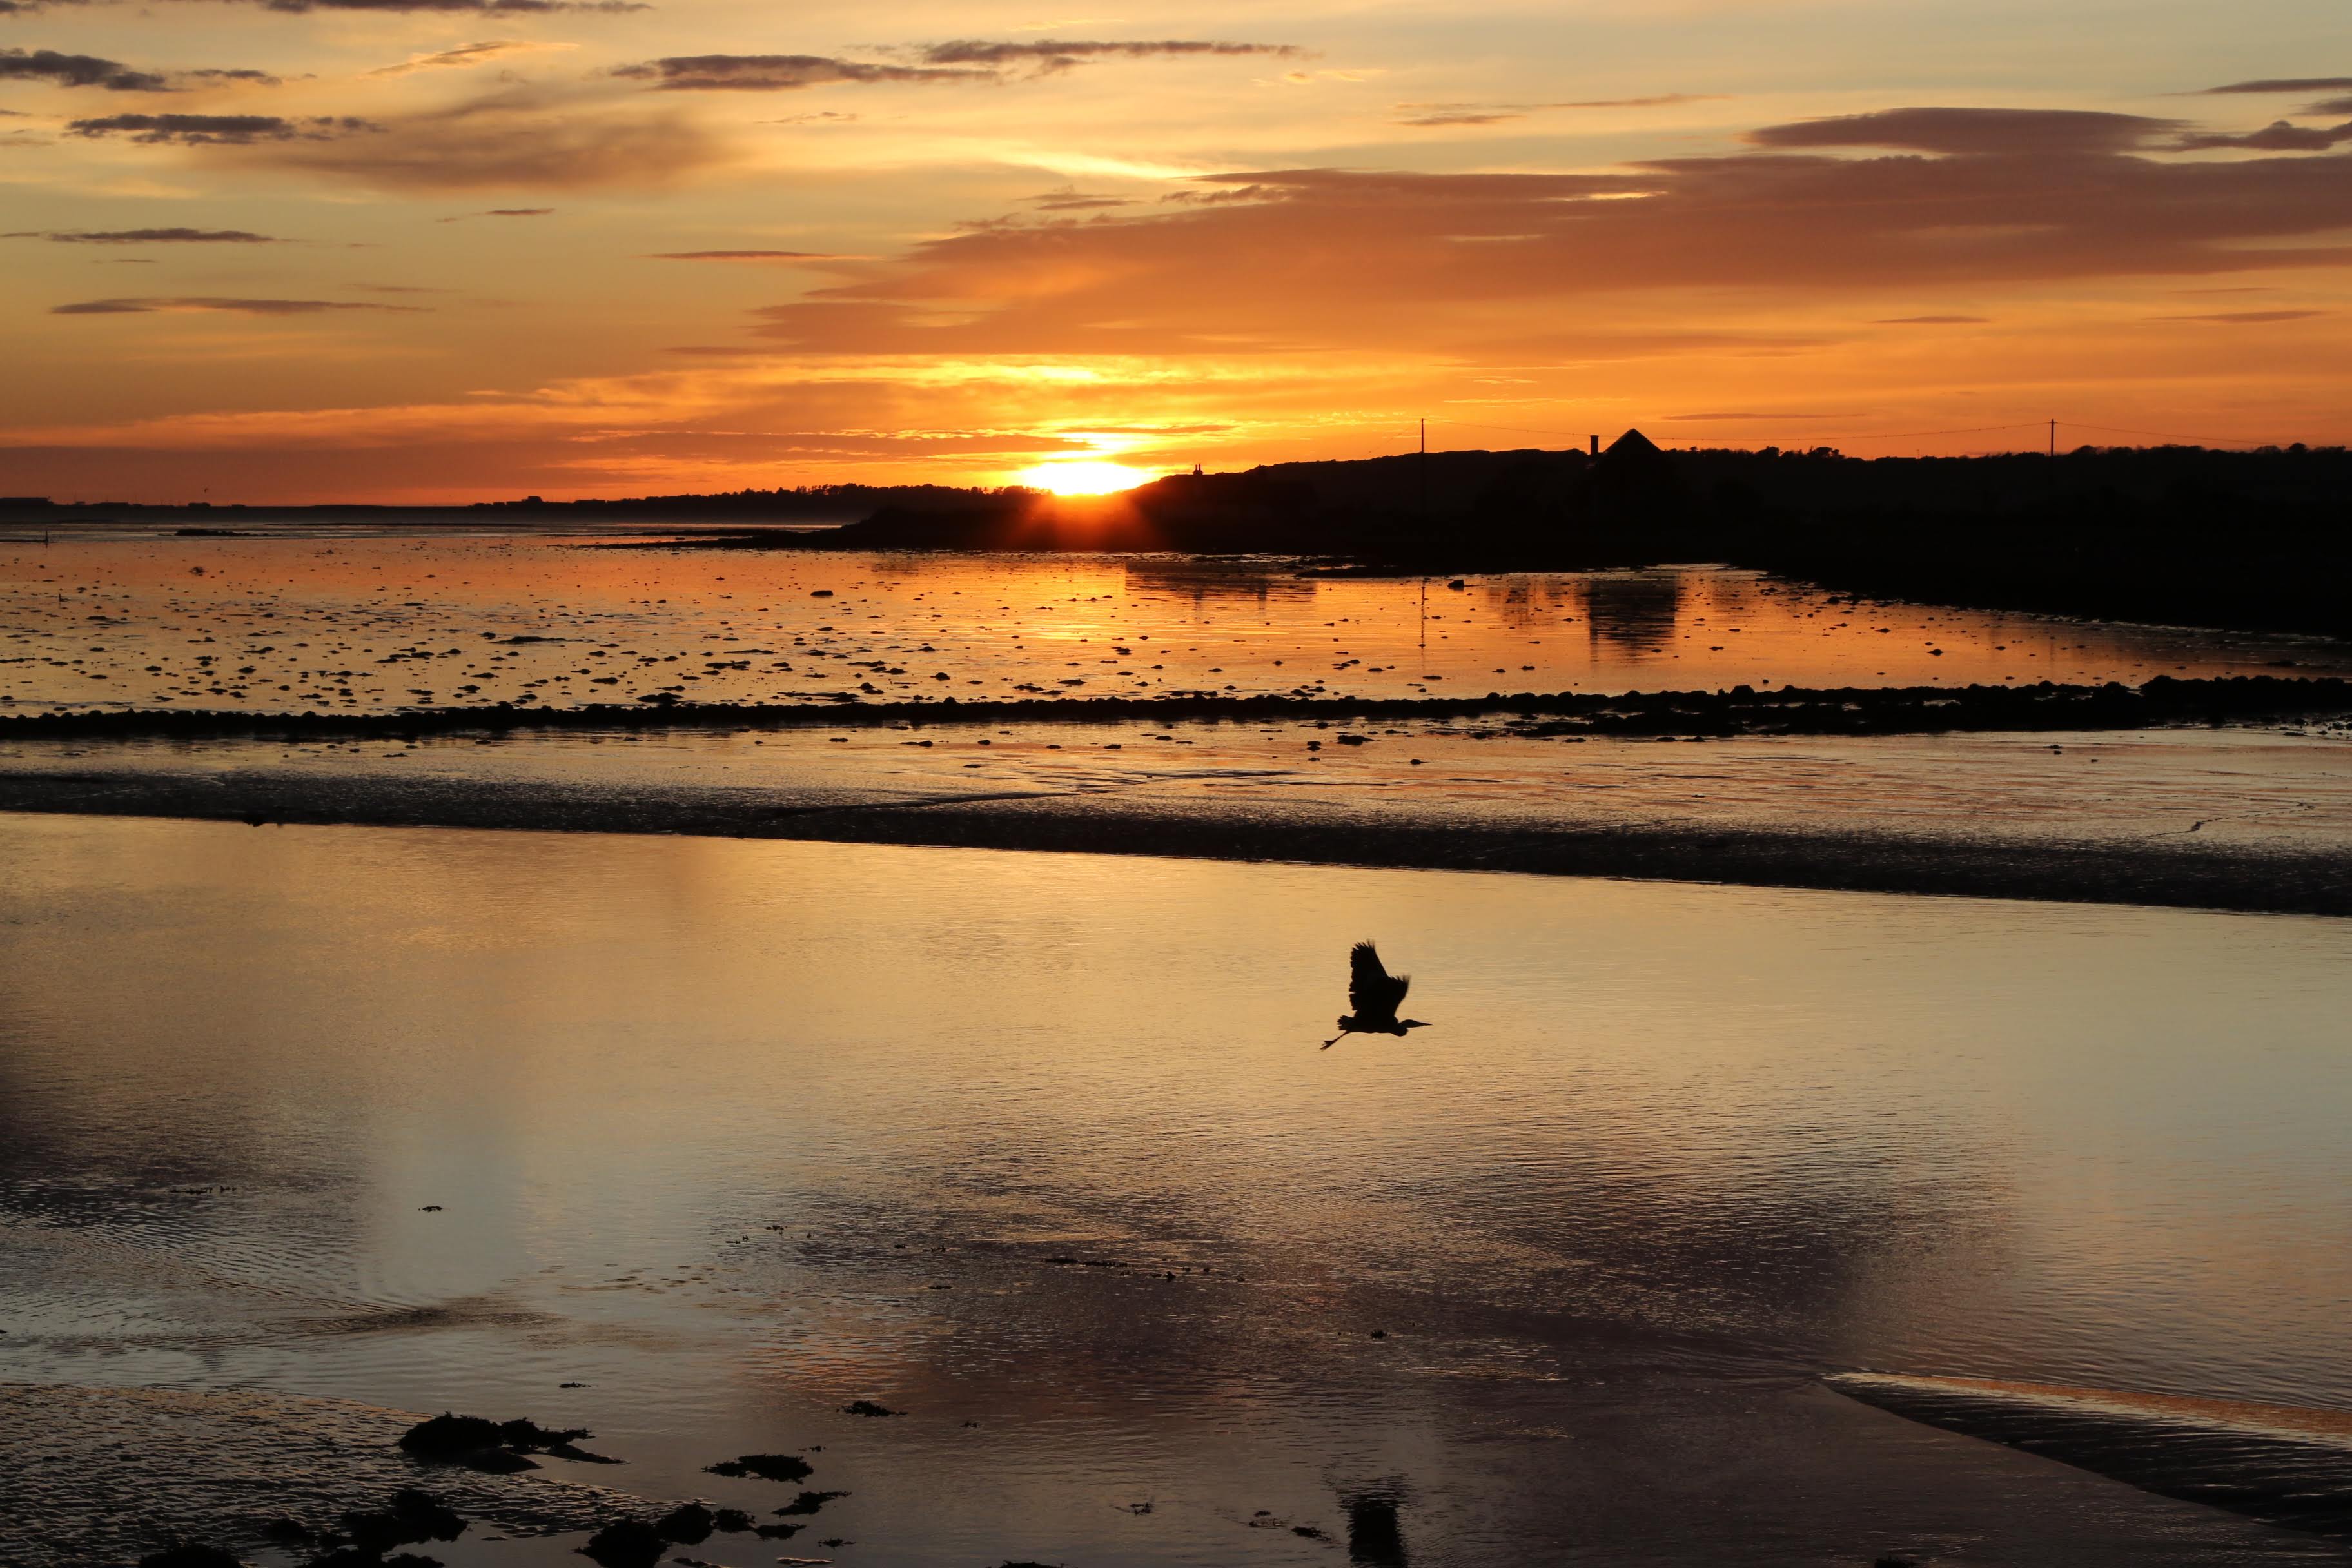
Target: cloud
{"x":466,"y":55}
{"x":1070,"y":199}
{"x":524,"y":137}
{"x":209,"y":303}
{"x":2286,"y":84}
{"x":753,"y":255}
{"x":1280,"y":261}
{"x":498,"y":212}
{"x":78,"y":70}
{"x":221,"y":129}
{"x":1931,"y":322}
{"x":1434,"y":115}
{"x":965,"y":59}
{"x":775,"y":73}
{"x":2040,"y":132}
{"x":446,"y":7}
{"x":150,"y":236}
{"x":1052,"y":55}
{"x":2277,"y":137}
{"x":2247,"y":317}
{"x":92,"y":71}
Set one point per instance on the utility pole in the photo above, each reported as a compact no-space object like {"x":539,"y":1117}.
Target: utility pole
{"x":2053,"y":437}
{"x":1421,"y":467}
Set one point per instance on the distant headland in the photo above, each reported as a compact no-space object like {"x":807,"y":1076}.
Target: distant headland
{"x":2256,"y":540}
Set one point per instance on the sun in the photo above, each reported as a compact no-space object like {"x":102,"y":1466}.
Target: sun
{"x":1083,"y":479}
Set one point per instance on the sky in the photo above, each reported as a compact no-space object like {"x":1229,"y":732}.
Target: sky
{"x":449,"y":250}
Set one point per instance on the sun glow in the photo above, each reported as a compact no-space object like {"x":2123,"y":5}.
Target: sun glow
{"x":1084,"y":479}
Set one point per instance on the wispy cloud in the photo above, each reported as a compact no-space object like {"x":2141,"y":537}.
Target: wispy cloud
{"x":1053,"y":55}
{"x":1439,"y":114}
{"x":747,"y":256}
{"x":498,"y":212}
{"x":148,"y":236}
{"x":466,"y":55}
{"x":206,"y":303}
{"x":2286,"y":84}
{"x":2247,"y":318}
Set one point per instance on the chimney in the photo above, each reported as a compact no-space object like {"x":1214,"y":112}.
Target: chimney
{"x":1596,"y":446}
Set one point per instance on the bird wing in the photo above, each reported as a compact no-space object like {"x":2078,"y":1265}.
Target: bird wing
{"x":1372,"y":992}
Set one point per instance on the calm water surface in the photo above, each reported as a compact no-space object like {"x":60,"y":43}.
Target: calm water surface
{"x":369,"y":621}
{"x":735,"y":1132}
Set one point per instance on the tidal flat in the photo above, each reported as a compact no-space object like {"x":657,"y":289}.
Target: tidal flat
{"x":712,"y":1086}
{"x":314,"y":1132}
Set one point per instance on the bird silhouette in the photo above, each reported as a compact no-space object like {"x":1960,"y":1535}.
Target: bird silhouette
{"x":1375,"y":995}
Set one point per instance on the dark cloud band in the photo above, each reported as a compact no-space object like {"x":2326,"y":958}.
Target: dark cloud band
{"x":78,"y":70}
{"x":221,"y":129}
{"x":965,"y":59}
{"x":775,"y":73}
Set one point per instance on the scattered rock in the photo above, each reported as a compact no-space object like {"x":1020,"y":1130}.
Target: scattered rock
{"x":626,"y":1543}
{"x":767,"y":1467}
{"x":1309,"y":1532}
{"x":867,"y":1407}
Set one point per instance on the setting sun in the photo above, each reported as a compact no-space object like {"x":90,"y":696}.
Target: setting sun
{"x":1084,"y":479}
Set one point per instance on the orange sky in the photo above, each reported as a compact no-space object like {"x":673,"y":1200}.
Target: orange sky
{"x":447,"y":249}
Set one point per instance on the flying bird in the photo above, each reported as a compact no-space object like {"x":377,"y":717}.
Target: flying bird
{"x":1375,"y":995}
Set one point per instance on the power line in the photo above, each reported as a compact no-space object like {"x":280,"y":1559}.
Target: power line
{"x":1911,"y":435}
{"x":2159,"y":435}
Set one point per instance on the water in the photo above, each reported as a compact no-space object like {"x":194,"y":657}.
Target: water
{"x":708,"y":1123}
{"x":369,"y":621}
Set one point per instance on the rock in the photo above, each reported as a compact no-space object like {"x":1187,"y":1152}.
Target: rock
{"x":808,"y":1503}
{"x":867,"y":1407}
{"x":447,"y":1436}
{"x":190,"y":1557}
{"x":412,"y":1516}
{"x":497,"y":1447}
{"x":733,"y":1520}
{"x":689,"y":1524}
{"x":767,"y":1467}
{"x":288,"y":1533}
{"x":626,"y":1543}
